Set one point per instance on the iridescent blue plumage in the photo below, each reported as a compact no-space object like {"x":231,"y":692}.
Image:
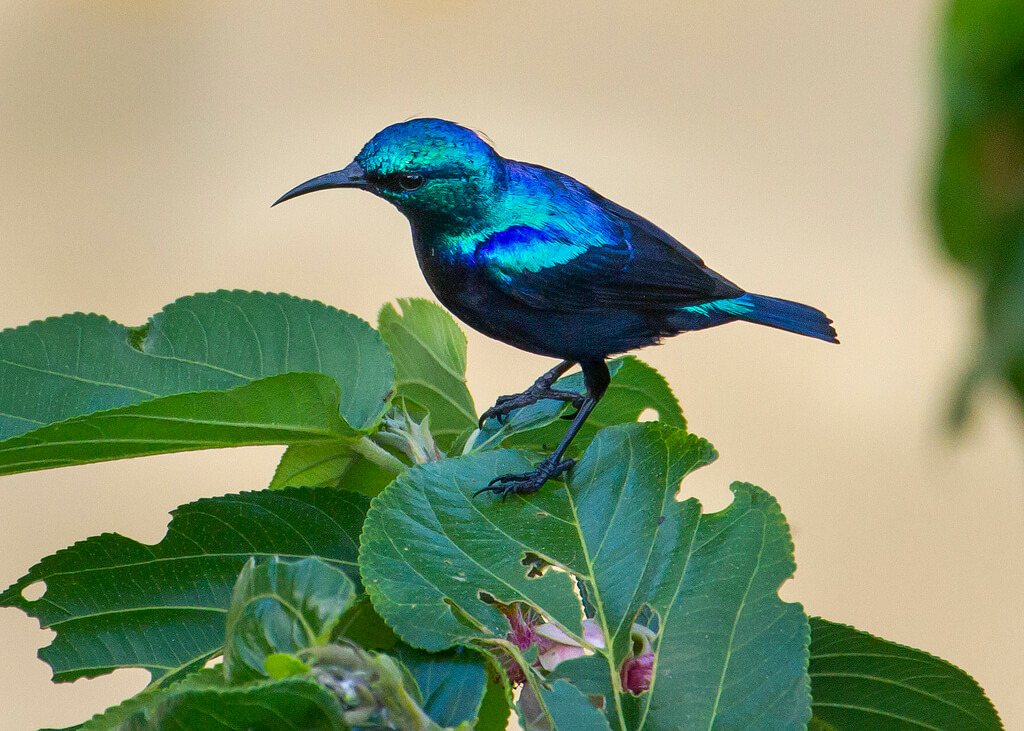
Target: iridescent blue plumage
{"x":538,"y":260}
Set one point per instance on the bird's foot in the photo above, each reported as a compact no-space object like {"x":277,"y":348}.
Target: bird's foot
{"x":526,"y":482}
{"x":505,"y":405}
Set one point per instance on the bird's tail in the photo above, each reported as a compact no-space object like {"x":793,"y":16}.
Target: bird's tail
{"x":787,"y":315}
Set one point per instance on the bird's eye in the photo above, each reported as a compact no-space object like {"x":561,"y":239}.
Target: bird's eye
{"x":410,"y":181}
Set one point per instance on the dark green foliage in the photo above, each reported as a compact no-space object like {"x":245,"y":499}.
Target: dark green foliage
{"x":427,"y":645}
{"x":429,"y":550}
{"x":115,"y":602}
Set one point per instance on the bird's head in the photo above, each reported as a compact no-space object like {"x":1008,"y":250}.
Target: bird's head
{"x":431,"y":170}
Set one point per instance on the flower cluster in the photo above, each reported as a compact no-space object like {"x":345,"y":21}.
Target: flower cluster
{"x":527,"y":629}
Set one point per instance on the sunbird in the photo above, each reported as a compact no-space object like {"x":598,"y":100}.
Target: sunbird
{"x":536,"y":259}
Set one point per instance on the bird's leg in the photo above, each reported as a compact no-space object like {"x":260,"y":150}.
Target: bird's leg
{"x":596,"y":377}
{"x":541,"y":389}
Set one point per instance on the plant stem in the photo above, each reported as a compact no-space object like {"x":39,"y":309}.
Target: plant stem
{"x":372,"y":451}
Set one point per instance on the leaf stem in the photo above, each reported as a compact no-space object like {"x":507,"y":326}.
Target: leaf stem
{"x":372,"y":451}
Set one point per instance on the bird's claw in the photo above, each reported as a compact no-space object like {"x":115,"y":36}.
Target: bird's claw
{"x":526,"y":482}
{"x":505,"y":405}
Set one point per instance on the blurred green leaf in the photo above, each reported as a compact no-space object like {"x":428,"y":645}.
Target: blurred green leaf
{"x":281,"y":606}
{"x":439,"y":563}
{"x":293,"y":704}
{"x":342,"y":687}
{"x":361,"y":624}
{"x":859,"y":681}
{"x":211,"y":370}
{"x":979,"y":181}
{"x":281,"y":665}
{"x":115,"y":602}
{"x":147,"y":701}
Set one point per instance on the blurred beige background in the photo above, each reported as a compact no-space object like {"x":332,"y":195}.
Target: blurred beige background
{"x":789,"y":143}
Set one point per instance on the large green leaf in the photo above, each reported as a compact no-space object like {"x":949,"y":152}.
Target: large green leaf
{"x":115,"y":602}
{"x":429,"y":351}
{"x":281,"y":606}
{"x":429,"y":549}
{"x":207,"y":371}
{"x":859,"y":681}
{"x":634,"y":388}
{"x":730,"y":653}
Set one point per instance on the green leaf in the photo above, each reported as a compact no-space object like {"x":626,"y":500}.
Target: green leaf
{"x":730,"y":652}
{"x":860,"y":681}
{"x":570,"y":709}
{"x":559,"y":708}
{"x":589,"y":675}
{"x":281,"y":606}
{"x":320,"y":464}
{"x":114,"y":602}
{"x":332,"y":464}
{"x":210,"y":370}
{"x":429,"y":548}
{"x":494,"y":709}
{"x":635,"y":387}
{"x":429,"y":351}
{"x":276,"y":410}
{"x":430,"y":366}
{"x":451,"y":682}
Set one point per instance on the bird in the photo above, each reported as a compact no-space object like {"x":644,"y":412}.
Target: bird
{"x":536,"y":259}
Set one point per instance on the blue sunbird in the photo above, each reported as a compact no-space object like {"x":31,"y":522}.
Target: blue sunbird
{"x":536,"y":259}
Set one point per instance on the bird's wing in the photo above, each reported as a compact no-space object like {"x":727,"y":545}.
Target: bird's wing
{"x":639,"y":267}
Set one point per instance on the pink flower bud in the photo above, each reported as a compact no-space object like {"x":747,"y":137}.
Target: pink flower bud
{"x":636,"y":673}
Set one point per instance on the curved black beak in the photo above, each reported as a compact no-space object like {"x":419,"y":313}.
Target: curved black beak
{"x":351,"y":176}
